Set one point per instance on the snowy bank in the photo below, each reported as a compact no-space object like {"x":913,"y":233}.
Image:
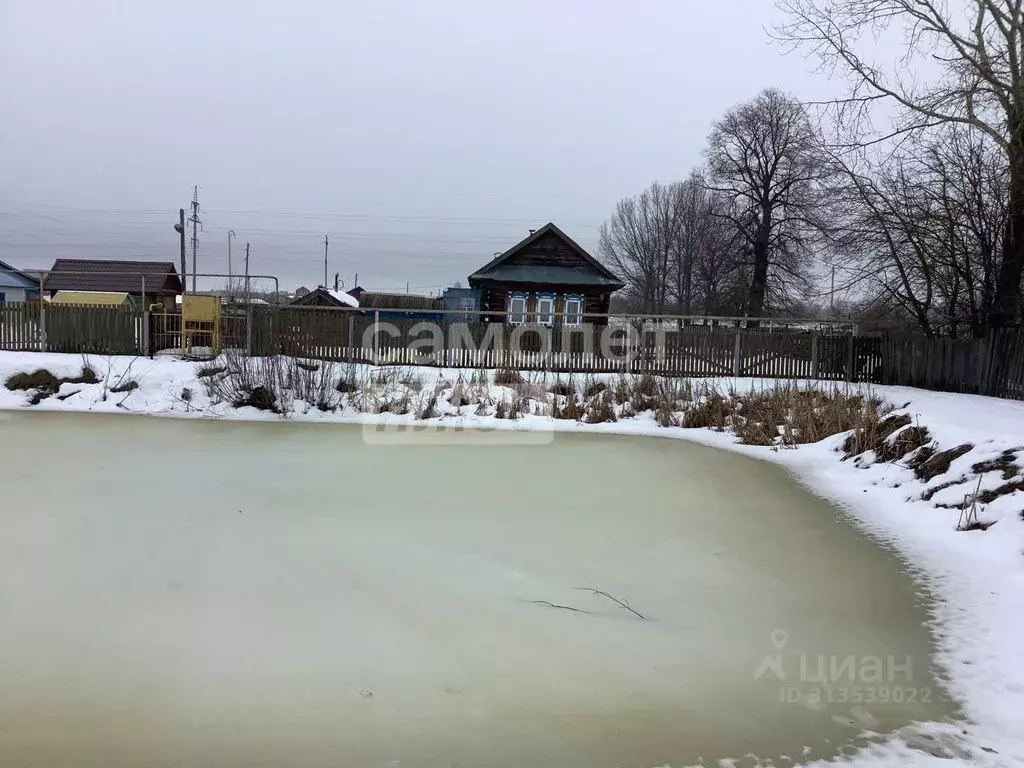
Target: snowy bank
{"x":977,"y":577}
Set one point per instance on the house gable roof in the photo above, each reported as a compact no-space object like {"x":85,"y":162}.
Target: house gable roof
{"x":12,"y":277}
{"x":584,"y":269}
{"x":323,"y":297}
{"x":113,"y":276}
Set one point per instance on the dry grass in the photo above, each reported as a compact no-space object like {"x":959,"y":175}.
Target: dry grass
{"x":567,"y":407}
{"x":258,"y":397}
{"x":600,"y":409}
{"x":43,"y":384}
{"x":712,"y":410}
{"x":902,"y":442}
{"x":507,"y":377}
{"x":928,"y":463}
{"x":39,"y":379}
{"x":789,"y":414}
{"x":872,"y":434}
{"x":563,"y":388}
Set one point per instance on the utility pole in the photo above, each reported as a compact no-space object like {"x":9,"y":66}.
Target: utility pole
{"x":248,"y":306}
{"x":325,"y":260}
{"x":180,"y":229}
{"x":406,"y":287}
{"x":246,"y":273}
{"x":194,"y":219}
{"x":231,"y":282}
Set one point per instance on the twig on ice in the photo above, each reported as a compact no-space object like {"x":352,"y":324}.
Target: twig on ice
{"x":624,"y":603}
{"x":554,"y":605}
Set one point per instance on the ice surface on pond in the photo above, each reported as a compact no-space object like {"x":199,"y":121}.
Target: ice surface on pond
{"x":227,"y":594}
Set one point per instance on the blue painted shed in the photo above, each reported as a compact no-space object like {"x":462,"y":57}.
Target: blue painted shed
{"x":15,"y":285}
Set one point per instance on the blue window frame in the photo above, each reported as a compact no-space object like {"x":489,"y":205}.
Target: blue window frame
{"x":517,"y":303}
{"x":546,"y":308}
{"x":572,"y":309}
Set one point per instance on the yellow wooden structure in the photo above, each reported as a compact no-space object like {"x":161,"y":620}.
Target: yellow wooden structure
{"x":200,"y":322}
{"x":92,"y":299}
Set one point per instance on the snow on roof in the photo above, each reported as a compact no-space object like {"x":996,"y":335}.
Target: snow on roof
{"x":344,"y":298}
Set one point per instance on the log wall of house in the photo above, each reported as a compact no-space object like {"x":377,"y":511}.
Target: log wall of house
{"x":495,"y":299}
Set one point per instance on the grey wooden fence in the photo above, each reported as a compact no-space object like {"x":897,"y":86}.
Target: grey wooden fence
{"x":992,"y":366}
{"x":657,"y":347}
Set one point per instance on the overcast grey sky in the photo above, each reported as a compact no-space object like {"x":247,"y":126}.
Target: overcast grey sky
{"x":421,"y":136}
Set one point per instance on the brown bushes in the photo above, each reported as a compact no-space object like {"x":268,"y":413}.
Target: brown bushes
{"x":900,"y":443}
{"x":573,"y":410}
{"x":42,"y":384}
{"x":507,"y":377}
{"x":563,"y":388}
{"x":713,"y":411}
{"x":600,"y":409}
{"x":39,"y":379}
{"x":258,"y":397}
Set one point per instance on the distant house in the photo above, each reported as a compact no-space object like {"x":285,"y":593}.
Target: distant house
{"x":15,"y":285}
{"x":324,"y":297}
{"x":459,"y":299}
{"x":545,"y":274}
{"x":159,"y":279}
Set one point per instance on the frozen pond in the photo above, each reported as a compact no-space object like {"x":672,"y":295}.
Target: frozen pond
{"x":192,"y":593}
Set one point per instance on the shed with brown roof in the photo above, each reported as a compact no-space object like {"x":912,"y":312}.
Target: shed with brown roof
{"x":155,"y":278}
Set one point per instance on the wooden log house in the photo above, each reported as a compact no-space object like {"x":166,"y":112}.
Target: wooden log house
{"x":542,"y":276}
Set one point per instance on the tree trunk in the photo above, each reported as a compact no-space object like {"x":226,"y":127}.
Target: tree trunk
{"x":688,"y":282}
{"x":1007,"y":293}
{"x":759,"y":279}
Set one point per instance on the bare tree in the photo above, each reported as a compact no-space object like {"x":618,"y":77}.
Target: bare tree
{"x":919,"y":230}
{"x":763,"y":158}
{"x":883,"y":241}
{"x":968,"y":180}
{"x":976,"y":49}
{"x":693,"y":238}
{"x":640,"y":242}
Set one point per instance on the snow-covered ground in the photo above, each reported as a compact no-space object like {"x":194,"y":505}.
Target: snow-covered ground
{"x":977,"y":577}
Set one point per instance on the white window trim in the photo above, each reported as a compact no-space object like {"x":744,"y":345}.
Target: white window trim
{"x":514,"y":317}
{"x":548,"y":317}
{"x":578,"y":312}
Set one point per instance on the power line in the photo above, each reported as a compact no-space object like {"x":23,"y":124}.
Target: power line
{"x":521,"y":220}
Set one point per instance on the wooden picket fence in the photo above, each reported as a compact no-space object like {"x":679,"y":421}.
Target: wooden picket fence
{"x":19,"y":326}
{"x":662,"y":348}
{"x":68,"y":328}
{"x":668,"y":346}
